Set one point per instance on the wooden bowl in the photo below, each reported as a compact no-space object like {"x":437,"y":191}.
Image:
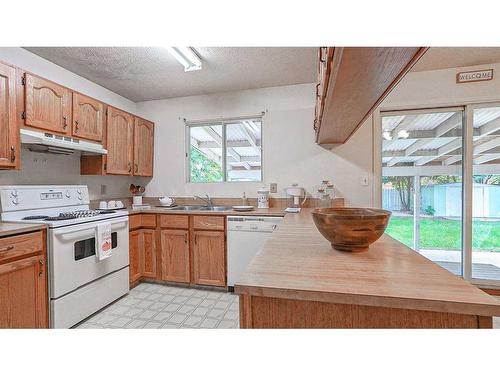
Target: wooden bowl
{"x":351,"y":229}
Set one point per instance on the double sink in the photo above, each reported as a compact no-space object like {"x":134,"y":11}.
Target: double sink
{"x":199,"y":208}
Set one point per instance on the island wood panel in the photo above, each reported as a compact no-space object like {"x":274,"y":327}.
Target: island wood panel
{"x":209,"y":260}
{"x":175,"y":259}
{"x":358,"y":80}
{"x":9,"y":132}
{"x":88,"y":118}
{"x":48,"y":105}
{"x":264,"y":312}
{"x":143,"y":147}
{"x":119,"y":142}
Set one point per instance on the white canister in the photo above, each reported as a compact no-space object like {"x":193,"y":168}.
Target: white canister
{"x":263,"y":198}
{"x":137,"y":199}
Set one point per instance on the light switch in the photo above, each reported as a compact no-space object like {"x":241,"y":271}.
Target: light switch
{"x":364,"y":180}
{"x":273,"y":187}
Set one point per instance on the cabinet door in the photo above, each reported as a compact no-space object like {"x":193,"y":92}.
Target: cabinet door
{"x":175,"y":255}
{"x":135,"y":258}
{"x":119,"y":142}
{"x":143,"y":147}
{"x":23,"y":293}
{"x":9,"y":146}
{"x":88,"y":118}
{"x":48,"y":105}
{"x":149,"y":253}
{"x":209,"y":261}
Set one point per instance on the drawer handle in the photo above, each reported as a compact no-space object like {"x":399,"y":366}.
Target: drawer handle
{"x":7,"y":248}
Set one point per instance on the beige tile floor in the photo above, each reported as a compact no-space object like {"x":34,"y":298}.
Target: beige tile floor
{"x":162,"y":306}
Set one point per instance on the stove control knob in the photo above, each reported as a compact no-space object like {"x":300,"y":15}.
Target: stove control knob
{"x":15,"y":200}
{"x":13,"y":193}
{"x":68,"y":194}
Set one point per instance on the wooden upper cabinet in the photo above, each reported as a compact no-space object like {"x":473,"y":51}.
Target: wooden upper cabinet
{"x":48,"y":105}
{"x":88,"y":118}
{"x":143,"y":147}
{"x":119,"y":142}
{"x":209,"y":261}
{"x":9,"y":133}
{"x":352,"y":82}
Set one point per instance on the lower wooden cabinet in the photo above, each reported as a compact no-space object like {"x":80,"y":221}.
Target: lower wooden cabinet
{"x":175,"y":255}
{"x":142,"y":254}
{"x":181,"y":249}
{"x":149,"y":254}
{"x":209,"y":261}
{"x":23,"y":282}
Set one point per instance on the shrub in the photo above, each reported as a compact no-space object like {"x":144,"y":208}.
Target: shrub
{"x":429,"y":210}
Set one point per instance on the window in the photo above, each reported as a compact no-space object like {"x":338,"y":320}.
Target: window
{"x":225,"y":150}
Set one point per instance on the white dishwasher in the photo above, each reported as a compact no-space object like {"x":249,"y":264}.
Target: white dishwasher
{"x":245,"y":237}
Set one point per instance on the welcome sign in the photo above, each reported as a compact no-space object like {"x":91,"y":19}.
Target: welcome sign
{"x":475,"y":76}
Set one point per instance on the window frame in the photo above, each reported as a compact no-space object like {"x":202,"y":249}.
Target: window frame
{"x":221,"y":122}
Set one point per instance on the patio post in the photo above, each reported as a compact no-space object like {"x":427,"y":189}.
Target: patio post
{"x":416,"y":213}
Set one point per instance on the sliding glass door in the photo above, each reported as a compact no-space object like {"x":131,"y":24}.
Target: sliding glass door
{"x":486,"y":194}
{"x":441,"y":180}
{"x":422,"y":182}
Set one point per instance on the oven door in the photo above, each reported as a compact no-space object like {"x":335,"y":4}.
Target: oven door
{"x":72,"y":259}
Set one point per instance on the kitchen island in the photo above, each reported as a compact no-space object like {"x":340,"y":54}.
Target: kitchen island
{"x":298,"y":281}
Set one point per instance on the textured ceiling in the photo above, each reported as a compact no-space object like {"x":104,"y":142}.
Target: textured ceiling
{"x":455,"y":57}
{"x":147,"y":73}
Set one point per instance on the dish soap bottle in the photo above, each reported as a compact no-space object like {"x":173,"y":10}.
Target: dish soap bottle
{"x":244,"y":200}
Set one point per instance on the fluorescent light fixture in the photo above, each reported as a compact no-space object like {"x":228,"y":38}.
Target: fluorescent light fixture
{"x":387,"y":135}
{"x":187,"y":57}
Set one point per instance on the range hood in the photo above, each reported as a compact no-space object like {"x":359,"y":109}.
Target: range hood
{"x":58,"y":144}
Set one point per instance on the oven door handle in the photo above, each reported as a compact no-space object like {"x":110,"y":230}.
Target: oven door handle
{"x":114,"y":225}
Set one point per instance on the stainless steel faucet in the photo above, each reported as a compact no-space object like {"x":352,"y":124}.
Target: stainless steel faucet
{"x":207,"y":200}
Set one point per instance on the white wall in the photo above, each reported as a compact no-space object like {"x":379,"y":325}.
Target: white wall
{"x":37,"y":168}
{"x":290,"y":154}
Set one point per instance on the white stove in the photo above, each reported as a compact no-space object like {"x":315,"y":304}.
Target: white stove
{"x":79,"y":284}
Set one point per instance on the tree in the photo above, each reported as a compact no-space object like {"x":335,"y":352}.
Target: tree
{"x":404,"y":185}
{"x":204,"y":169}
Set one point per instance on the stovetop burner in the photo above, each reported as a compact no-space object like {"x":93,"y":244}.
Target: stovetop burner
{"x":35,"y":217}
{"x":61,"y":217}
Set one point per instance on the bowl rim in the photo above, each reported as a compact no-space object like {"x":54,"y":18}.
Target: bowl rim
{"x":330,"y":211}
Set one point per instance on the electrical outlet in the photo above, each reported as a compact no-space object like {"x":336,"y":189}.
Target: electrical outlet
{"x":273,"y":187}
{"x":364,"y":180}
{"x":103,"y":189}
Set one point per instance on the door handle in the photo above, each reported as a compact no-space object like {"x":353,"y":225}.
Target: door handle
{"x":136,"y":168}
{"x":76,"y":126}
{"x":185,"y":238}
{"x":129,"y":167}
{"x":40,"y":270}
{"x":12,"y":154}
{"x":65,"y":122}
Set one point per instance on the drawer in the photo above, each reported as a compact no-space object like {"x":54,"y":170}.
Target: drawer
{"x":174,"y":221}
{"x":208,"y":222}
{"x":148,"y":220}
{"x":134,"y":222}
{"x":21,"y":246}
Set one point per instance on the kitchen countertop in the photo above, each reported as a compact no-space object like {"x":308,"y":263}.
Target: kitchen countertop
{"x":273,"y":211}
{"x":9,"y":229}
{"x":297,"y":262}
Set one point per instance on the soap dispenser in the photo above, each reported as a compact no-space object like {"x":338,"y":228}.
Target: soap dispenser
{"x":244,"y":200}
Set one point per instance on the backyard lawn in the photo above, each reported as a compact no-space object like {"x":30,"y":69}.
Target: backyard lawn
{"x":445,"y":234}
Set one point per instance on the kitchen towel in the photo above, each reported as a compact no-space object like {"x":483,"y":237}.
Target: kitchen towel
{"x":103,"y":241}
